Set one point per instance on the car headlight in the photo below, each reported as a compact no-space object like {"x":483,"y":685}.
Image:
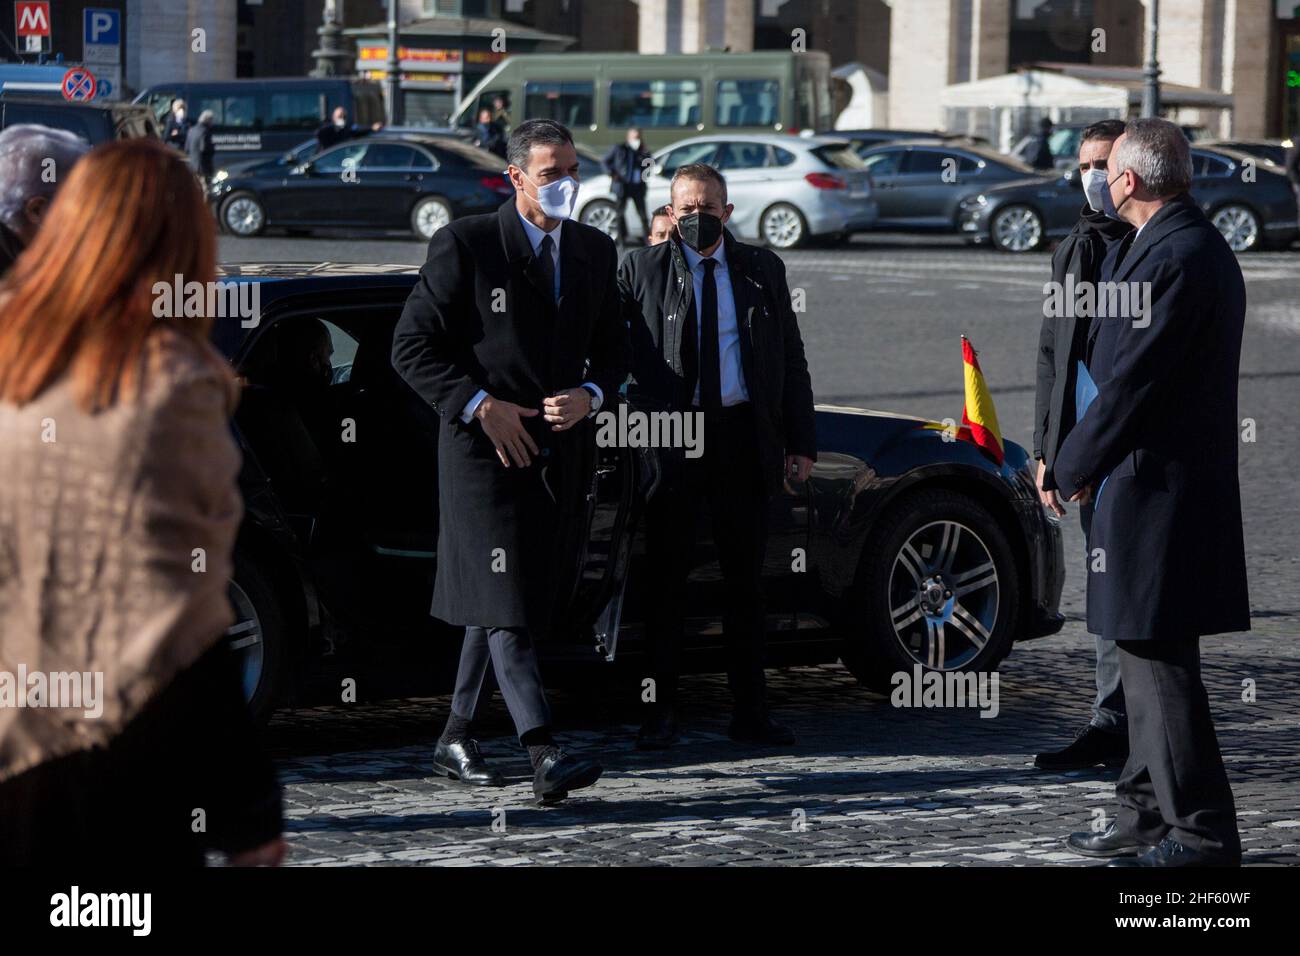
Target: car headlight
{"x":974,"y":202}
{"x":221,"y":176}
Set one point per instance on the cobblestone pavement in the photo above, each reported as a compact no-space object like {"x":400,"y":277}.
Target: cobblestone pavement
{"x":867,"y":783}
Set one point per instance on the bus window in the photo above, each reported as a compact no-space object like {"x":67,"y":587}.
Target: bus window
{"x":569,"y":103}
{"x":651,"y":103}
{"x":747,"y":103}
{"x":229,"y":112}
{"x":295,"y":109}
{"x":487,"y":100}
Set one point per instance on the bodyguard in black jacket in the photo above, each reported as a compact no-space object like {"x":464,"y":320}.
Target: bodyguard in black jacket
{"x":714,"y":334}
{"x":1156,"y":451}
{"x":514,"y":336}
{"x":1076,"y":266}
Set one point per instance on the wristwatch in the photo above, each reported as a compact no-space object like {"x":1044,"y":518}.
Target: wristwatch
{"x":595,"y":398}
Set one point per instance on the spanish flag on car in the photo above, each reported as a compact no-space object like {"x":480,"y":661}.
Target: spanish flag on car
{"x":979,"y":418}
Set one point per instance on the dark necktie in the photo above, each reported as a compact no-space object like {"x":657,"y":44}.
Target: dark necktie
{"x":710,"y":364}
{"x":546,"y":264}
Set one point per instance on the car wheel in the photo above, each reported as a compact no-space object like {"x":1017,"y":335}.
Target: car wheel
{"x":1017,"y":229}
{"x":429,"y":215}
{"x":257,"y":636}
{"x":782,"y":226}
{"x":937,"y":586}
{"x":242,"y":214}
{"x":1238,"y":225}
{"x":603,"y":215}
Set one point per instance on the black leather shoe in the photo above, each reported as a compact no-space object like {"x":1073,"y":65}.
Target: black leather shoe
{"x":759,"y":729}
{"x":559,"y":773}
{"x":1108,"y":843}
{"x":658,"y":731}
{"x":462,"y":761}
{"x":1170,"y":853}
{"x":1091,"y":748}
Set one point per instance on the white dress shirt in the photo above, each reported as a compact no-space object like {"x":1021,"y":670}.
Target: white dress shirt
{"x":535,"y":236}
{"x":732,"y":371}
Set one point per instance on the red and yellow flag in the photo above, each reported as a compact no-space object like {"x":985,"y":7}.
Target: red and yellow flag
{"x":979,"y":417}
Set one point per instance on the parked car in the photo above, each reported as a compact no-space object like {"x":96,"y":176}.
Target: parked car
{"x":413,"y":182}
{"x":1064,"y":143}
{"x":96,"y":122}
{"x":786,"y":189}
{"x":308,"y":148}
{"x":919,"y":186}
{"x":1021,"y":216}
{"x":864,"y":139}
{"x":1271,"y":151}
{"x":920,"y":551}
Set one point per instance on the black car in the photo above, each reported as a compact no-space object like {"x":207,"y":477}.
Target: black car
{"x":1251,"y":203}
{"x":96,"y":122}
{"x":920,"y":185}
{"x":402,"y":181}
{"x":907,"y":546}
{"x":864,"y":139}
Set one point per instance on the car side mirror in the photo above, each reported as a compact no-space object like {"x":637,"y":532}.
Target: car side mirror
{"x":1072,"y":178}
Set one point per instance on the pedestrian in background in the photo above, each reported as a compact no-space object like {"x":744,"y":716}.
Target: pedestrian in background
{"x":626,"y":164}
{"x":118,"y":516}
{"x":488,"y":134}
{"x":1062,"y":375}
{"x":177,"y":131}
{"x":201,"y":149}
{"x":661,"y":225}
{"x":26,"y":185}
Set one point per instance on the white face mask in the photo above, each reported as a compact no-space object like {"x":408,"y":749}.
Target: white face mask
{"x":180,"y":114}
{"x":634,"y":143}
{"x":340,"y":123}
{"x":1096,"y":187}
{"x":556,"y":199}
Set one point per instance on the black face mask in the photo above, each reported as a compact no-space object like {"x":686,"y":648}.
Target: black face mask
{"x":699,"y":230}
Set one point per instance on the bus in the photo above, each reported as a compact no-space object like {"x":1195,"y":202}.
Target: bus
{"x":668,"y":96}
{"x":263,"y":119}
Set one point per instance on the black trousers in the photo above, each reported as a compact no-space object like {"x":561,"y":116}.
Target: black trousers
{"x":635,"y":195}
{"x":514,"y":660}
{"x":727,"y":480}
{"x":1174,"y":783}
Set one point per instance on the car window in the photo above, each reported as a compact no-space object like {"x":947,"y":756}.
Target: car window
{"x":684,"y":155}
{"x":735,"y":156}
{"x":926,"y":162}
{"x":566,"y":102}
{"x":345,"y":353}
{"x":337,"y":160}
{"x":884,"y":163}
{"x":840,"y":157}
{"x":746,"y":103}
{"x":783,"y":156}
{"x":86,"y":123}
{"x":1211,"y":165}
{"x":968,"y":164}
{"x":654,"y":103}
{"x":387,"y":156}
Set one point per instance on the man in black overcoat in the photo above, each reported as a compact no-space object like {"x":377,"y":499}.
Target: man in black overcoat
{"x":1156,"y":453}
{"x":514,"y":336}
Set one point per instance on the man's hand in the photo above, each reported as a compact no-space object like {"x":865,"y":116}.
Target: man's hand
{"x":798,"y":467}
{"x":502,"y":423}
{"x":565,"y":409}
{"x":1083,"y":495}
{"x":270,"y":853}
{"x":1051,"y":500}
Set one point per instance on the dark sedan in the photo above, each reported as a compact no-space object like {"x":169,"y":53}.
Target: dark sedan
{"x":906,"y":547}
{"x":1251,"y":203}
{"x":382,"y":182}
{"x":920,"y":185}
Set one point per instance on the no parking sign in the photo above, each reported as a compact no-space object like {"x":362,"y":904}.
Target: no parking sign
{"x":78,"y":85}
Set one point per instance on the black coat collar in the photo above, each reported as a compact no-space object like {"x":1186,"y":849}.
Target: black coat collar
{"x":1178,"y":213}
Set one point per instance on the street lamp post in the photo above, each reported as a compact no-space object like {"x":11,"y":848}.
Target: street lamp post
{"x":392,"y":75}
{"x":1151,"y":71}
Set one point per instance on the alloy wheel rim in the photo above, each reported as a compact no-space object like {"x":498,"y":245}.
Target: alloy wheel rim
{"x":944,"y":593}
{"x":781,"y":228}
{"x":244,"y":638}
{"x":1018,"y":230}
{"x":432,"y":217}
{"x":603,"y":218}
{"x":1237,"y":226}
{"x":244,"y":217}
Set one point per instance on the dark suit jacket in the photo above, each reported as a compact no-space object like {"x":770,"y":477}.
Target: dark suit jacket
{"x":481,"y":317}
{"x":1162,"y":433}
{"x":1059,"y":347}
{"x":658,"y":293}
{"x":616,"y":164}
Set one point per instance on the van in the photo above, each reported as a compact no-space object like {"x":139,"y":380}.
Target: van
{"x":96,"y":122}
{"x":261,"y":119}
{"x":668,"y":96}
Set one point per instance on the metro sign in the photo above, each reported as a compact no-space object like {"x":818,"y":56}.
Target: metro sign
{"x":32,"y":25}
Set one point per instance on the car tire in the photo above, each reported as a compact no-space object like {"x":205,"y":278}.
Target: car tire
{"x":603,"y":215}
{"x":1017,"y":228}
{"x":899,"y":604}
{"x":258,"y":634}
{"x":429,"y":215}
{"x":1239,"y":225}
{"x":782,"y":226}
{"x":242,"y":214}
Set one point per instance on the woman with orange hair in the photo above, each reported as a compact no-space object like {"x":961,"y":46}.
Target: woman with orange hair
{"x":123,"y":731}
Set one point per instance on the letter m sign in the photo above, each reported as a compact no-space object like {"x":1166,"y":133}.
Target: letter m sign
{"x":32,"y":25}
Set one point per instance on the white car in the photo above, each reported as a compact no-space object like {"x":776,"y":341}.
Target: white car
{"x":786,"y":189}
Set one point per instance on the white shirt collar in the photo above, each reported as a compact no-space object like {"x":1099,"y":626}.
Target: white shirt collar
{"x":693,"y":258}
{"x":535,"y":233}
